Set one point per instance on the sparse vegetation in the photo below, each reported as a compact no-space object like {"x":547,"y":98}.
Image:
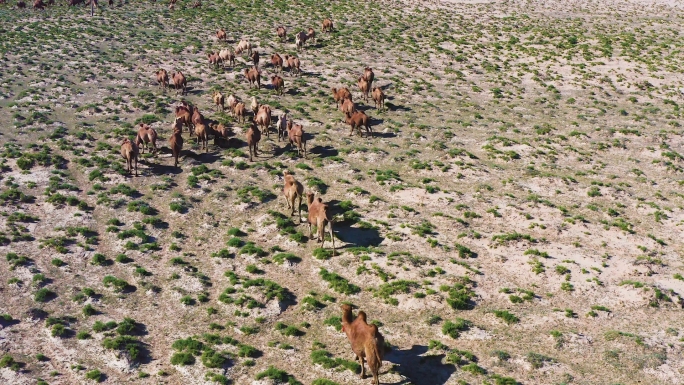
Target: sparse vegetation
{"x":522,"y":186}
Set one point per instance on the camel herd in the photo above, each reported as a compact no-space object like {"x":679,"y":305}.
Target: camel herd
{"x":41,"y":5}
{"x":262,"y":118}
{"x":366,"y":341}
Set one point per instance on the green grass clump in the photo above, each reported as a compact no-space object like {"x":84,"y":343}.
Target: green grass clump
{"x":223,"y":253}
{"x":253,"y":269}
{"x":249,"y":330}
{"x":248,"y":351}
{"x":460,"y":357}
{"x":235,"y":242}
{"x":57,"y":262}
{"x":339,"y":283}
{"x":536,"y":252}
{"x":188,"y":345}
{"x":246,"y":193}
{"x":506,"y":316}
{"x":89,"y":310}
{"x":127,"y":327}
{"x":335,"y":322}
{"x":269,"y":289}
{"x":235,"y":232}
{"x":8,"y":361}
{"x":100,"y":326}
{"x":311,"y":303}
{"x":437,"y":345}
{"x":59,"y":330}
{"x":278,"y":376}
{"x":464,"y":252}
{"x":474,"y":368}
{"x":251,"y":249}
{"x":386,"y":290}
{"x":179,"y":207}
{"x":43,"y":295}
{"x":499,"y":380}
{"x":280,"y":258}
{"x":94,"y":375}
{"x":512,"y":237}
{"x":213,"y":359}
{"x":289,"y":331}
{"x":17,"y":260}
{"x":324,"y":358}
{"x":501,"y":355}
{"x":142,"y":208}
{"x":313,"y":182}
{"x":538,"y":360}
{"x":99,"y":260}
{"x":218,"y":378}
{"x":119,"y":285}
{"x":321,"y":253}
{"x":124,"y":343}
{"x":460,"y":294}
{"x":593,"y":192}
{"x":423,"y":229}
{"x":454,"y":329}
{"x":182,"y":359}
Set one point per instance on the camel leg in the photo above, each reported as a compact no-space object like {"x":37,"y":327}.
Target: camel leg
{"x":299,"y":205}
{"x":363,"y":368}
{"x":136,"y":166}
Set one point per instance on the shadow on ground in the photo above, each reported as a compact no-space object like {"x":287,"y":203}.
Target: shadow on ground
{"x":420,"y":370}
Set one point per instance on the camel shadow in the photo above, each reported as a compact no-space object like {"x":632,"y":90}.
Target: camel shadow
{"x":421,"y":370}
{"x":379,"y":134}
{"x":363,"y":107}
{"x":203,"y":157}
{"x":285,"y":149}
{"x":228,"y":143}
{"x":355,"y":236}
{"x":324,"y":151}
{"x":163,"y":169}
{"x":394,"y":107}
